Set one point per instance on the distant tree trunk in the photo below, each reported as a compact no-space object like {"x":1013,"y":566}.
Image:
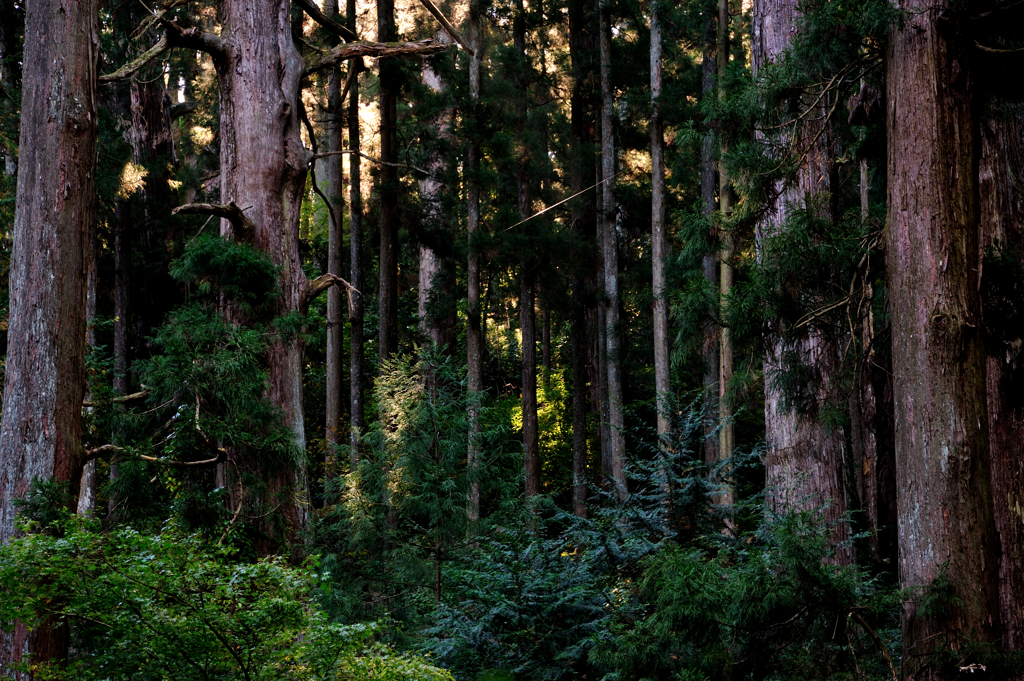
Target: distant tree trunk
{"x":616,"y":422}
{"x":527,"y":314}
{"x":389,"y":188}
{"x":474,"y":329}
{"x":659,"y":248}
{"x":11,"y":17}
{"x":946,"y":524}
{"x":709,"y":263}
{"x":581,"y":49}
{"x":806,"y":464}
{"x":433,"y":327}
{"x":335,"y":246}
{"x":545,"y":344}
{"x":726,"y":433}
{"x":87,"y":488}
{"x":1001,"y":164}
{"x":355,"y":208}
{"x":41,"y":428}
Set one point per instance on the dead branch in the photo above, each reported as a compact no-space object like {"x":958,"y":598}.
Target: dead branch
{"x":137,"y":64}
{"x":996,"y":50}
{"x":245,"y":228}
{"x":121,"y":398}
{"x":319,"y":17}
{"x":317,"y":286}
{"x":878,"y":642}
{"x":369,"y":158}
{"x":93,"y":453}
{"x":336,"y":55}
{"x":452,"y":31}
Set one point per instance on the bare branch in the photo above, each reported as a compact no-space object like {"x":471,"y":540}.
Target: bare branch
{"x":244,"y":227}
{"x":319,"y":17}
{"x":369,"y":158}
{"x":137,"y":64}
{"x":195,"y":39}
{"x":452,"y":31}
{"x":91,"y":454}
{"x":121,"y":398}
{"x":317,"y":286}
{"x":341,"y":53}
{"x":995,"y":50}
{"x":182,"y":109}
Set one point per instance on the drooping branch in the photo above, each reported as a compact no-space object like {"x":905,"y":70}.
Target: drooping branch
{"x":137,"y":64}
{"x":319,"y":17}
{"x":244,"y":227}
{"x":317,"y":286}
{"x":452,"y":31}
{"x":120,"y":398}
{"x":336,"y":55}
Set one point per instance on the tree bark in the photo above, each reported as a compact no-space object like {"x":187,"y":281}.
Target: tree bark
{"x":259,"y":72}
{"x":726,"y":429}
{"x":659,"y":248}
{"x":356,"y":278}
{"x":806,"y":463}
{"x":388,"y":189}
{"x":474,"y":331}
{"x":1001,"y":211}
{"x":946,"y":524}
{"x":335,"y":246}
{"x":709,"y":263}
{"x":610,"y":250}
{"x":41,"y":428}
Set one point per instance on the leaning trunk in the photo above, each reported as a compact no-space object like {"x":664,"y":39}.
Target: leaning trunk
{"x":41,"y":429}
{"x":946,"y":526}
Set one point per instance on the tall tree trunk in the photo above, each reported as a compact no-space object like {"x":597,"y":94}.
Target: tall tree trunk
{"x":527,"y":314}
{"x":41,"y":428}
{"x":726,"y":429}
{"x":355,"y":234}
{"x":610,"y":250}
{"x":335,"y":246}
{"x":1001,"y":164}
{"x":806,"y":464}
{"x":389,"y":189}
{"x":659,"y":248}
{"x":260,"y":71}
{"x":581,"y":51}
{"x":709,"y":263}
{"x":87,"y":488}
{"x":946,"y":524}
{"x":10,"y":68}
{"x":474,"y":330}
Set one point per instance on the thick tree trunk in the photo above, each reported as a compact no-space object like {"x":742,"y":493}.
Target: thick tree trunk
{"x":389,"y":189}
{"x":41,"y":429}
{"x":946,"y":524}
{"x":356,"y":278}
{"x":259,"y":88}
{"x":610,"y":250}
{"x":659,"y":248}
{"x":709,"y":264}
{"x":335,"y":247}
{"x":1000,"y":166}
{"x":474,"y":330}
{"x":806,"y":463}
{"x":581,"y":51}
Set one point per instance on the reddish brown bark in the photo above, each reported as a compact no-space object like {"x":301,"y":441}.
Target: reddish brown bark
{"x":41,"y":430}
{"x":805,"y":466}
{"x":1001,"y":213}
{"x":474,"y":330}
{"x":388,"y":188}
{"x":946,"y":525}
{"x":659,"y":244}
{"x":335,"y":247}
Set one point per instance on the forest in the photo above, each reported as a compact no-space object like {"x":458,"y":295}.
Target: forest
{"x":512,"y":340}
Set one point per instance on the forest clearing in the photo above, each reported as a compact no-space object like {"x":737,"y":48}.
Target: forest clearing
{"x":511,"y":340}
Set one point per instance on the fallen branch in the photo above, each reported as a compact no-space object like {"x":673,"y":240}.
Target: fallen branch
{"x":452,"y":31}
{"x":336,"y":55}
{"x":121,"y":398}
{"x":245,"y":228}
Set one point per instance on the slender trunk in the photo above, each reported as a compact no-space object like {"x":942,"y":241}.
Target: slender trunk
{"x":806,"y":465}
{"x":946,"y":524}
{"x":355,"y":207}
{"x":389,"y":188}
{"x":335,"y":246}
{"x":659,"y":248}
{"x":709,"y":263}
{"x":474,"y":330}
{"x":726,"y":432}
{"x":41,"y":428}
{"x":1001,"y":211}
{"x":87,"y":488}
{"x":610,"y":248}
{"x":545,"y":344}
{"x":10,"y":67}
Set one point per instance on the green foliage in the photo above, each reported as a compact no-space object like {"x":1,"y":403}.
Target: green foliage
{"x":219,"y":266}
{"x":172,"y":606}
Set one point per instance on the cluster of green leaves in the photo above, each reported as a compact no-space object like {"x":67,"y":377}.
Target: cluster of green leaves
{"x":174,"y":606}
